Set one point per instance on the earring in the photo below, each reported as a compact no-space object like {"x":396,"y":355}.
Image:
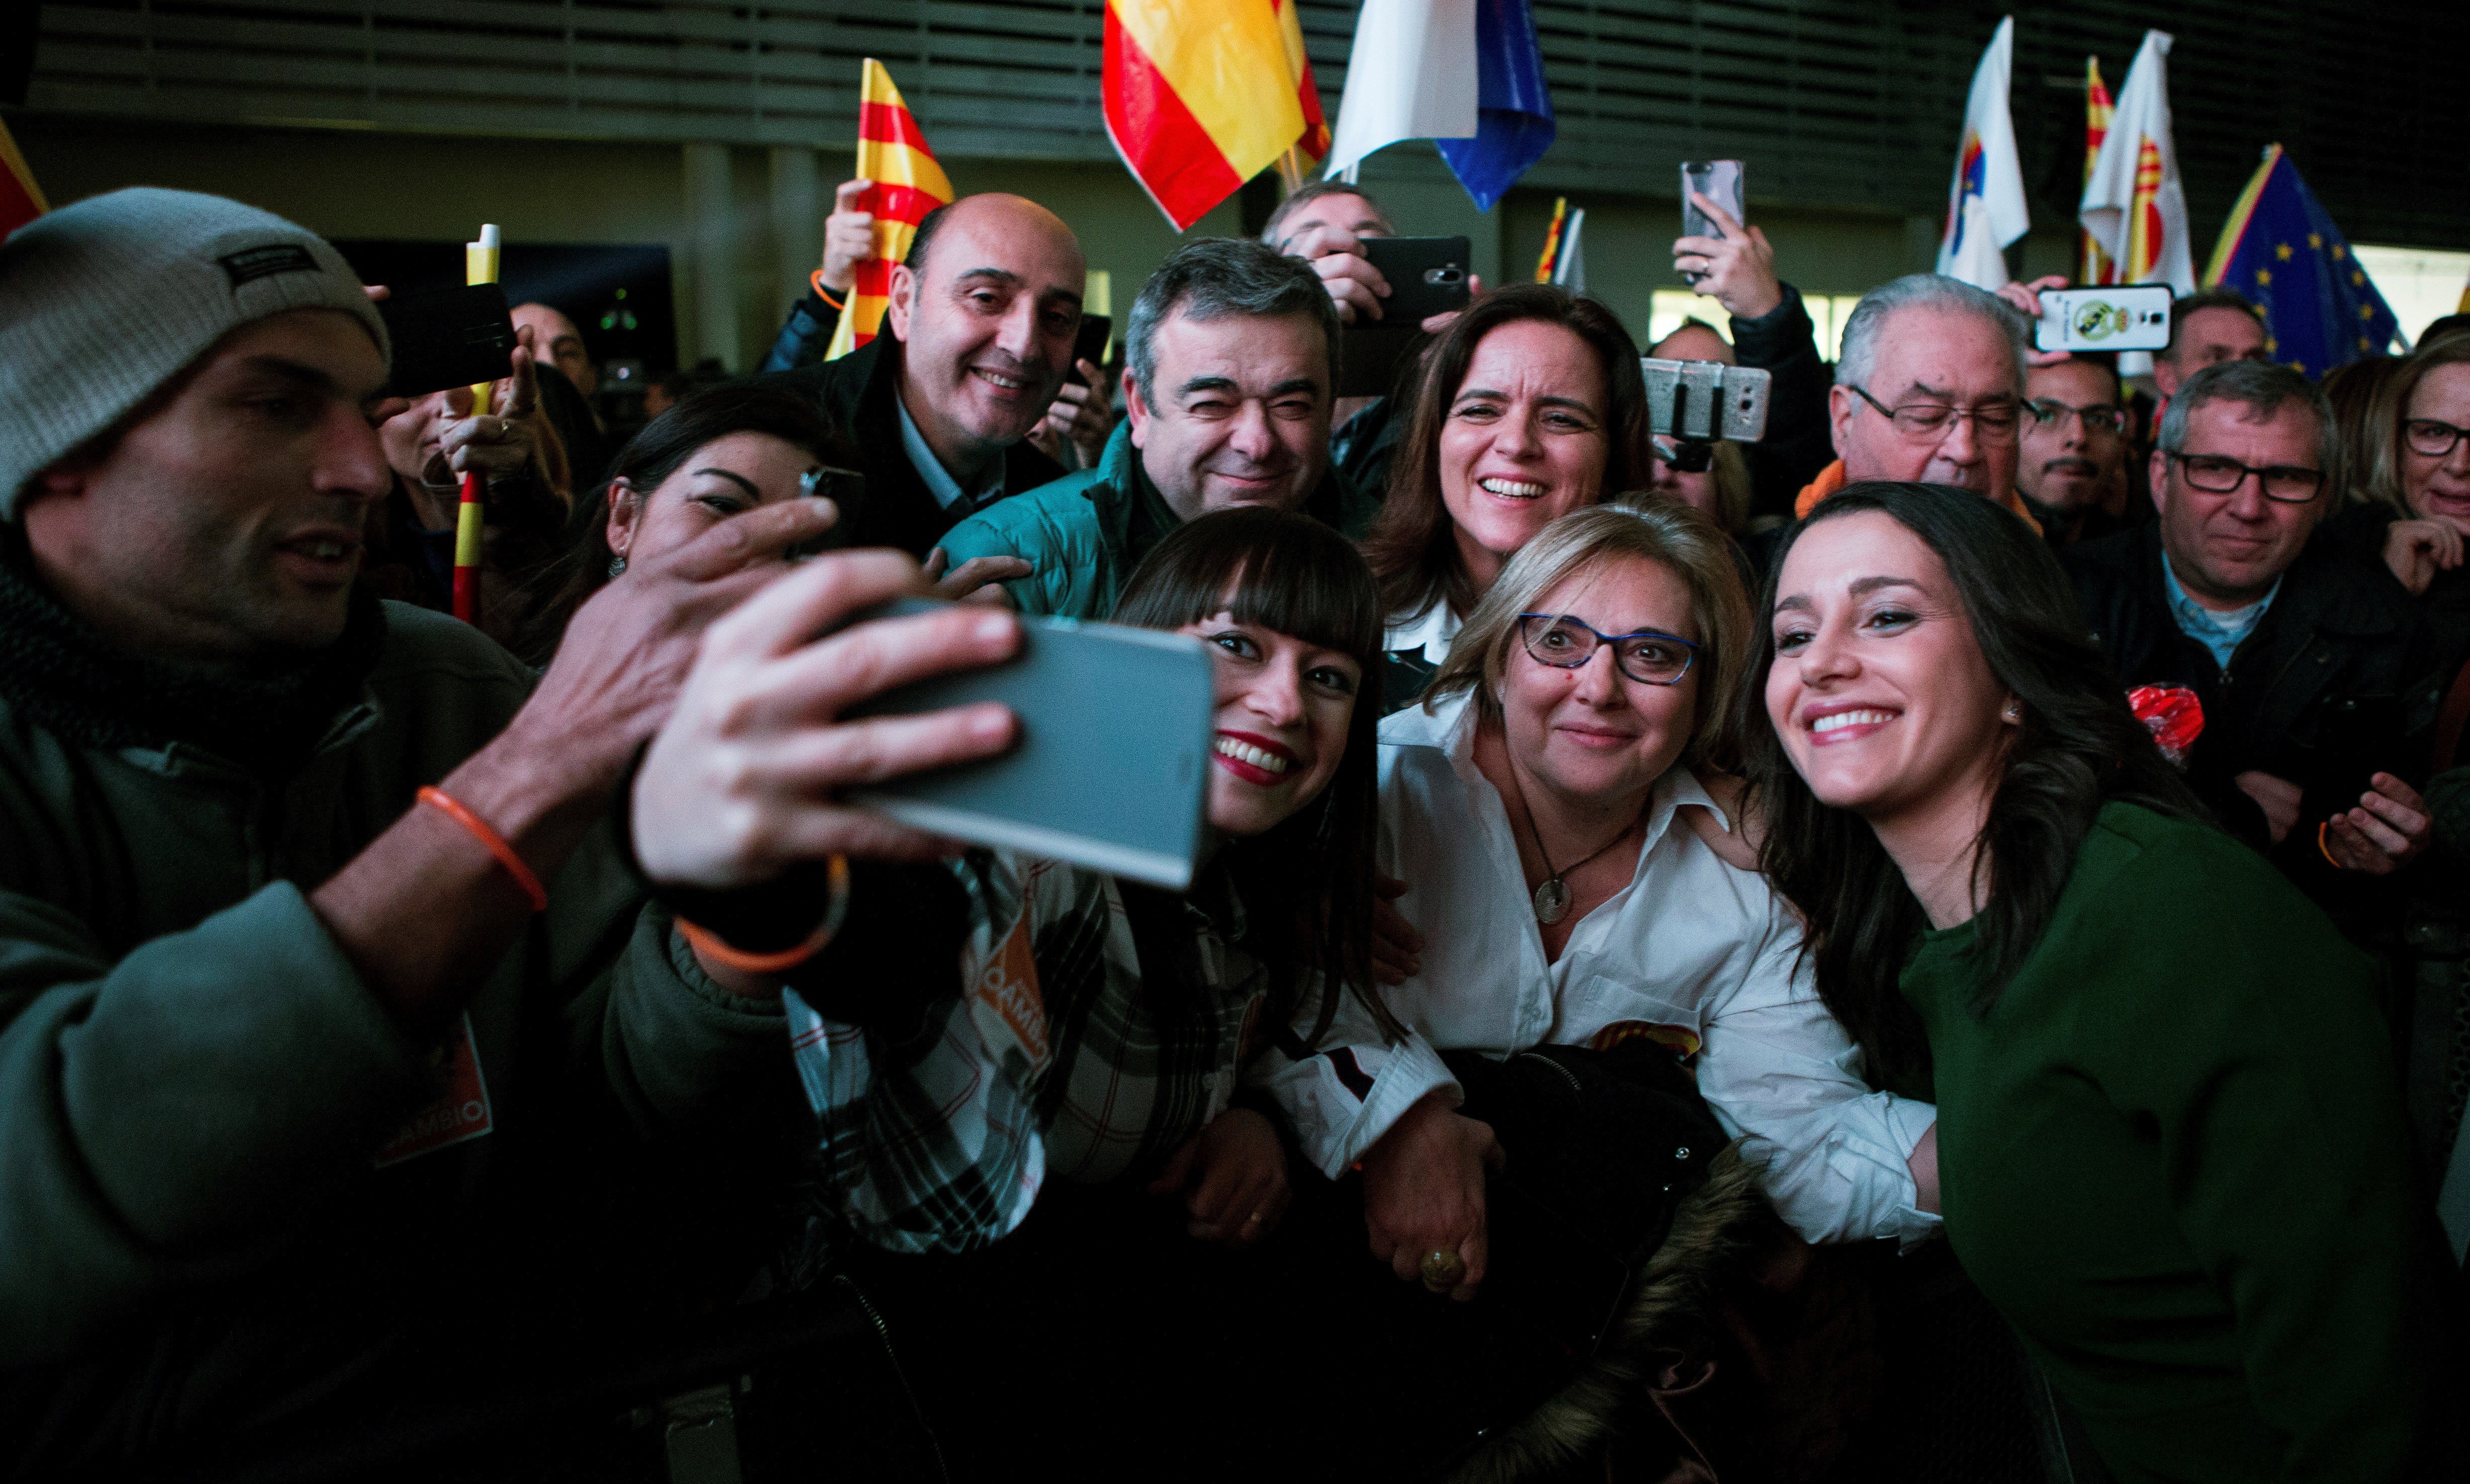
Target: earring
{"x":616,"y":564}
{"x":2011,"y":714}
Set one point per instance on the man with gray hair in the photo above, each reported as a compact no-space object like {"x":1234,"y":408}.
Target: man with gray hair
{"x":1929,"y":388}
{"x":1231,"y":354}
{"x":2301,"y":653}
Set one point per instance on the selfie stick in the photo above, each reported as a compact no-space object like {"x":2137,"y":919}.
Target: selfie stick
{"x":480,"y":267}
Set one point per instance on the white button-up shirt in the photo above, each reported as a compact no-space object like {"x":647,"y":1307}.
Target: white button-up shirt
{"x":1695,"y":952}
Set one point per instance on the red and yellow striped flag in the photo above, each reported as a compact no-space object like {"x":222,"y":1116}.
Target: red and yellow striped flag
{"x":1313,"y":147}
{"x":21,"y":200}
{"x":907,"y":183}
{"x":1202,"y":96}
{"x":2096,"y":267}
{"x":1550,"y":258}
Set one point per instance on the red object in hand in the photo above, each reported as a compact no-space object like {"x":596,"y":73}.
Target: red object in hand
{"x":2174,"y":715}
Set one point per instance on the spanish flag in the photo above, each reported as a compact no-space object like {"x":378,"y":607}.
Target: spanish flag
{"x":907,"y":185}
{"x":21,"y":200}
{"x":1202,"y":95}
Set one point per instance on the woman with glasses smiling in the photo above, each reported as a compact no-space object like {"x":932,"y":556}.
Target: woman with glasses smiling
{"x":1582,"y":900}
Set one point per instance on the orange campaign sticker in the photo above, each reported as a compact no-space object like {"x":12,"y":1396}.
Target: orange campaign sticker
{"x":1681,"y":1040}
{"x":460,"y":1112}
{"x":1007,"y":984}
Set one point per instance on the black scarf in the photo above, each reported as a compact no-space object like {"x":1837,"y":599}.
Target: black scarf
{"x":267,"y":716}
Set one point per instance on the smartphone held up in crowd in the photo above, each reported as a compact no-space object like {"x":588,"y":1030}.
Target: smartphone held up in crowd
{"x":2113,"y":317}
{"x":1110,"y":769}
{"x":1720,"y":181}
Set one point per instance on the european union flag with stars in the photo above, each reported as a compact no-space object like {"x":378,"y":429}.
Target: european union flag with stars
{"x":2280,"y":250}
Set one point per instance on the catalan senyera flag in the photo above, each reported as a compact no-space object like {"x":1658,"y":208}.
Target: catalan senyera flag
{"x":1200,"y":96}
{"x":2134,"y":203}
{"x":907,"y":184}
{"x":21,"y":200}
{"x":2096,"y":267}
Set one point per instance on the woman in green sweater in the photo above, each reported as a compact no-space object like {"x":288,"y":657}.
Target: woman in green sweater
{"x":2170,"y":1140}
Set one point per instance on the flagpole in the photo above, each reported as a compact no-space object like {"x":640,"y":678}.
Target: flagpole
{"x":480,"y":267}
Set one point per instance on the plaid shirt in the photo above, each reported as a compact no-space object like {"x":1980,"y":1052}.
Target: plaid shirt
{"x":1050,"y":1057}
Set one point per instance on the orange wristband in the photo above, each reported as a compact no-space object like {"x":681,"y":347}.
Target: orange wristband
{"x":533,"y":890}
{"x":815,"y":281}
{"x":705,"y":942}
{"x":2327,"y":851}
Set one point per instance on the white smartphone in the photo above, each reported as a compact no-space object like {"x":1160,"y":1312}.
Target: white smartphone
{"x":2118,"y":317}
{"x":1111,"y":771}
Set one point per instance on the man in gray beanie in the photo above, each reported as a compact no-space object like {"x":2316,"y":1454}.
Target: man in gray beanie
{"x":302,"y":1061}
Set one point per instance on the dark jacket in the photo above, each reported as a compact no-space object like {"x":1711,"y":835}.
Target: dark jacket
{"x":860,"y":393}
{"x":1084,"y":533}
{"x":1799,"y":440}
{"x":195,"y":1079}
{"x":805,"y":334}
{"x":2327,"y":688}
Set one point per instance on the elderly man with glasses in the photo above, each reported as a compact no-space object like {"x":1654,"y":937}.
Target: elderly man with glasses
{"x":1930,"y":387}
{"x":2300,"y":651}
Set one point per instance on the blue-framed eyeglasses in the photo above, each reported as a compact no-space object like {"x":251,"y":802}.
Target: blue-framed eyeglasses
{"x":1566,"y":643}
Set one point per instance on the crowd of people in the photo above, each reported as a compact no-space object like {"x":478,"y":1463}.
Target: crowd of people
{"x":1698,"y":949}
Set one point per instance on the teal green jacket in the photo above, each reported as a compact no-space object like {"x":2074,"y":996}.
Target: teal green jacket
{"x":1084,"y":535}
{"x":2174,"y":1156}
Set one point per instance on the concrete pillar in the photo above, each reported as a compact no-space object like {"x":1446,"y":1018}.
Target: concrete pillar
{"x":709,"y":219}
{"x":797,"y":211}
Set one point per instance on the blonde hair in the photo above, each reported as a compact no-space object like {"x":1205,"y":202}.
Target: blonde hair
{"x":1638,"y":526}
{"x":2382,"y":458}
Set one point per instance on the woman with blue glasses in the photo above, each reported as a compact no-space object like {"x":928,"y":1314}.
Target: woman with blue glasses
{"x":1583,"y":903}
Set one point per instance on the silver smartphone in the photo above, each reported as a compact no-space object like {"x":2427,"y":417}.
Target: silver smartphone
{"x":1705,"y":399}
{"x":1111,"y":771}
{"x":2122,"y":316}
{"x":1719,"y":181}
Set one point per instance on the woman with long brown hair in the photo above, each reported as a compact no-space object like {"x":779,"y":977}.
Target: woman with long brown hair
{"x":1529,"y":407}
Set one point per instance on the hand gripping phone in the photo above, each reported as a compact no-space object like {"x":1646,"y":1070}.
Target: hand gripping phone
{"x":1112,"y":769}
{"x":1720,"y":181}
{"x":448,"y":338}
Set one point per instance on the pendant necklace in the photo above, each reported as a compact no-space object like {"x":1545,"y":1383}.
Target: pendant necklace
{"x":1552,"y":898}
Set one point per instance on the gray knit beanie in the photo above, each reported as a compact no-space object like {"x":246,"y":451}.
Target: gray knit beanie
{"x":102,"y":301}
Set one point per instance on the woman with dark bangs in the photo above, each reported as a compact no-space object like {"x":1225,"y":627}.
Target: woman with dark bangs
{"x":1107,"y":1032}
{"x":1125,"y":1040}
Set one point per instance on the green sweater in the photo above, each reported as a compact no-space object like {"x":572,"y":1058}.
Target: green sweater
{"x":2174,"y":1157}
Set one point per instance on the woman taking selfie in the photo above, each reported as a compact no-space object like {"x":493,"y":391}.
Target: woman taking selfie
{"x":1530,"y":406}
{"x":1568,"y":869}
{"x":2169,"y":1140}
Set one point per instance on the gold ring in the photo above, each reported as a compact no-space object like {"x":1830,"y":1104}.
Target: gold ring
{"x":1254,"y":1220}
{"x":1442,"y":1271}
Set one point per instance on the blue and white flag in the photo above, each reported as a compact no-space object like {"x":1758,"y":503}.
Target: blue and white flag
{"x":1985,"y":201}
{"x":1409,"y":77}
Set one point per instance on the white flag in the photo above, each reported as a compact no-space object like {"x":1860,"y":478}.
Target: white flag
{"x":2133,"y":204}
{"x":1985,"y":201}
{"x":1570,"y":269}
{"x":1411,"y":76}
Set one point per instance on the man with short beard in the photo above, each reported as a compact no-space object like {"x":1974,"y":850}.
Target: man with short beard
{"x":976,"y":341}
{"x":2074,"y":455}
{"x":348,"y":1080}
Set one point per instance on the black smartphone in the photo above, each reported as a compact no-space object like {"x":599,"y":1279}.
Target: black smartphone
{"x":843,"y":487}
{"x":2356,"y":738}
{"x":1090,"y":345}
{"x":1426,"y":276}
{"x":448,"y":338}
